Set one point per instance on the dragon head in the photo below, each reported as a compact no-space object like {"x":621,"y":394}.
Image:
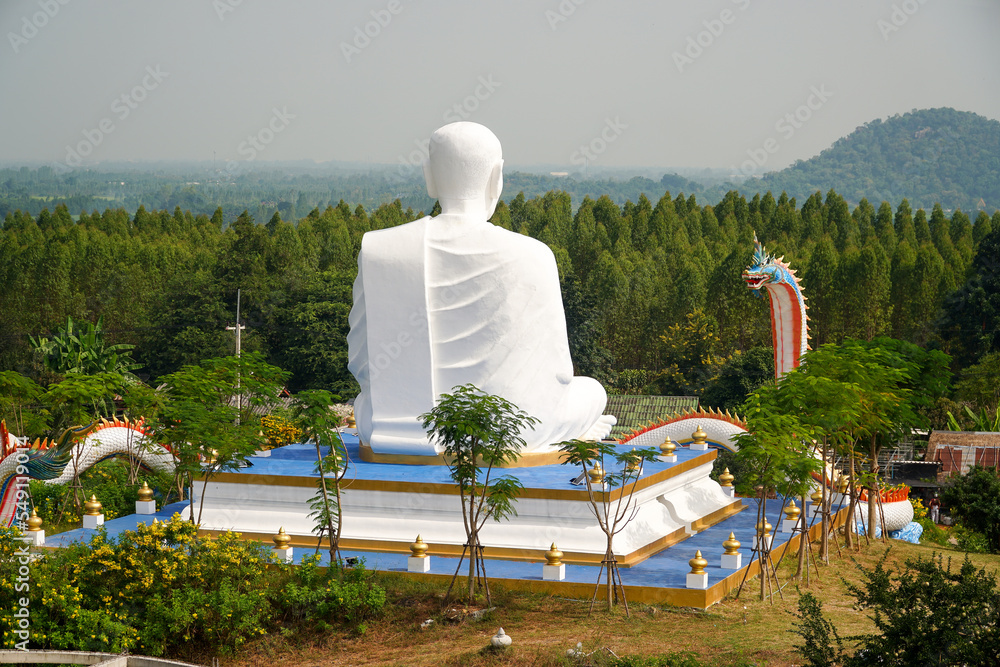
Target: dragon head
{"x":763,"y":269}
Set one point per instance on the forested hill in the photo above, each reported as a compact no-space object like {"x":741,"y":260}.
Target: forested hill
{"x":928,"y":156}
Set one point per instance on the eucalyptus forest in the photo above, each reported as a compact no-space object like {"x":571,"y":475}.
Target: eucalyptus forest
{"x":653,"y":292}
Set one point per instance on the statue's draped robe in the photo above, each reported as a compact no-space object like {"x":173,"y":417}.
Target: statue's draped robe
{"x":440,"y":303}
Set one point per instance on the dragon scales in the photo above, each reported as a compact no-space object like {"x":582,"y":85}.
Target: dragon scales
{"x":53,"y":462}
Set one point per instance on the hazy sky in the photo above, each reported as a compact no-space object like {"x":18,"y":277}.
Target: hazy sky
{"x":633,"y":82}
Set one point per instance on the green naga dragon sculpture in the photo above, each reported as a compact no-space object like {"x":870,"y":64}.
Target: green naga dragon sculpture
{"x":51,"y":461}
{"x":788,"y":306}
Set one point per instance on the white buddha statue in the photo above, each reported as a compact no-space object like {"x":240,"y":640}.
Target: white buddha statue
{"x":451,"y":300}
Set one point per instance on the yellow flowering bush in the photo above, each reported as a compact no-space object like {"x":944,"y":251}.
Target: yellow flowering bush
{"x":165,"y":590}
{"x":279,"y":431}
{"x":919,"y":511}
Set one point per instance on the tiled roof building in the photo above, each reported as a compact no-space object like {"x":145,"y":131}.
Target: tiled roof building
{"x":634,"y":412}
{"x":960,"y":450}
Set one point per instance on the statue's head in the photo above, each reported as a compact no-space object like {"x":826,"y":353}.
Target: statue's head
{"x":465,"y":163}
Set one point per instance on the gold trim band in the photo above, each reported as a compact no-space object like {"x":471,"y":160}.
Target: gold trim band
{"x":528,"y":460}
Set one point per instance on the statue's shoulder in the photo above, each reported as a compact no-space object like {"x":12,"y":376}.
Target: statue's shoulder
{"x":376,"y":238}
{"x":524,"y":244}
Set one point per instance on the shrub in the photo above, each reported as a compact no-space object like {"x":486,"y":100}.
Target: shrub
{"x":974,"y":499}
{"x":818,"y":634}
{"x":279,"y":431}
{"x":318,"y":598}
{"x":932,"y":532}
{"x":970,"y":541}
{"x":164,"y":590}
{"x":924,"y":615}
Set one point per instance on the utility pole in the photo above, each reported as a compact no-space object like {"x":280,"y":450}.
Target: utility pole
{"x":238,"y":329}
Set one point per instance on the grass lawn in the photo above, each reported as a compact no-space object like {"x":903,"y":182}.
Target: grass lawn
{"x":733,"y":632}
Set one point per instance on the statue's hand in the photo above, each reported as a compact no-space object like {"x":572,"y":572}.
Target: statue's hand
{"x":601,"y":428}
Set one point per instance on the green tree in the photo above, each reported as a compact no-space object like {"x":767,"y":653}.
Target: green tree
{"x":972,"y":314}
{"x":142,"y":403}
{"x":979,"y":384}
{"x":820,"y":286}
{"x":319,"y":424}
{"x":776,"y":452}
{"x":207,"y":420}
{"x":76,"y":403}
{"x":307,"y":333}
{"x":692,"y":355}
{"x":19,"y":406}
{"x":974,"y":499}
{"x":479,"y":432}
{"x":739,"y":377}
{"x":584,"y":329}
{"x":613,"y":511}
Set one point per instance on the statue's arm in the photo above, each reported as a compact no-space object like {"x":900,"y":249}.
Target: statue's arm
{"x":551,"y":319}
{"x":357,"y":338}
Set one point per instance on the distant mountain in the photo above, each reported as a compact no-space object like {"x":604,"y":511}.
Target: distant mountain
{"x":927,"y":156}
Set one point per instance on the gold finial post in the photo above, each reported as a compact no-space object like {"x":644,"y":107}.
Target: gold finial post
{"x":34,"y":521}
{"x":697,"y":577}
{"x":633,"y":465}
{"x":596,"y":474}
{"x":145,"y":493}
{"x":94,"y":517}
{"x":697,"y":563}
{"x":93,"y":506}
{"x":418,"y":561}
{"x":726,"y":478}
{"x":418,"y":549}
{"x":792,"y":514}
{"x":145,"y":503}
{"x":699,"y":440}
{"x":843,"y":484}
{"x":282,"y":540}
{"x":554,"y":569}
{"x":731,"y":558}
{"x":764,"y":537}
{"x":668,"y":450}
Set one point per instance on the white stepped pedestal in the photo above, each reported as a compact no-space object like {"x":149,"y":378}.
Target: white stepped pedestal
{"x":699,"y":581}
{"x":788,"y":525}
{"x":698,"y":447}
{"x":37,"y":537}
{"x":668,"y":459}
{"x":729,"y":491}
{"x":145,"y":507}
{"x":418,"y":564}
{"x":554,"y":572}
{"x":93,"y":521}
{"x":285,"y":555}
{"x":669,"y":503}
{"x":732,"y":561}
{"x":762,"y":542}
